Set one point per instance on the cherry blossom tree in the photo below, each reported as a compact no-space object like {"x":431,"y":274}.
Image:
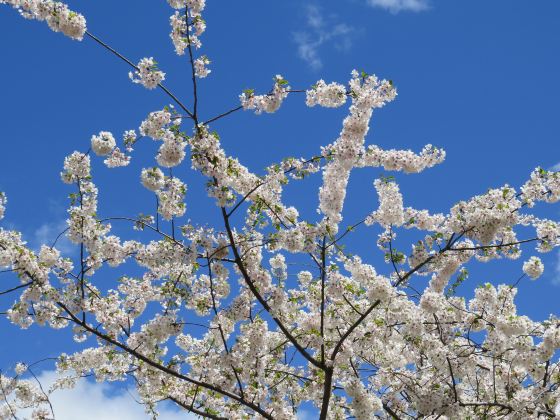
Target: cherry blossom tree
{"x":211,"y":321}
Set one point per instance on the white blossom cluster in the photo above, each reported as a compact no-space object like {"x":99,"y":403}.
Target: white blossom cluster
{"x":391,"y":211}
{"x":194,"y":6}
{"x":129,"y":139}
{"x":153,"y":178}
{"x":172,"y":151}
{"x":533,"y":267}
{"x":187,"y":25}
{"x":103,"y":144}
{"x":269,"y":103}
{"x":330,"y":95}
{"x":364,"y":404}
{"x":200,"y":67}
{"x":367,"y":93}
{"x":23,"y":395}
{"x":179,"y":28}
{"x":542,"y":186}
{"x":147,"y":74}
{"x":117,"y":159}
{"x":154,"y":124}
{"x":56,"y":14}
{"x":179,"y":32}
{"x":487,"y":216}
{"x":171,"y":199}
{"x":77,"y":166}
{"x":548,"y":231}
{"x":402,"y":160}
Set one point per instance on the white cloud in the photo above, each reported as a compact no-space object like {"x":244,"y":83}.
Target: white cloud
{"x":94,"y":401}
{"x":90,"y":400}
{"x":320,"y":30}
{"x":46,"y":235}
{"x":306,"y":415}
{"x":556,"y":279}
{"x":556,"y":167}
{"x":396,"y":6}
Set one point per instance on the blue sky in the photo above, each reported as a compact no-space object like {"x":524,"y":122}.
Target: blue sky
{"x":478,"y":78}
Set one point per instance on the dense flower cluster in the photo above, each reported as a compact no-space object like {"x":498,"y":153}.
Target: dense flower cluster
{"x":200,"y":66}
{"x":391,"y":212}
{"x":147,"y":73}
{"x":153,"y":178}
{"x":129,"y":139}
{"x":76,"y":167}
{"x":171,"y":199}
{"x":368,"y":93}
{"x":330,"y":95}
{"x":401,"y":160}
{"x":21,"y":395}
{"x":268,"y":312}
{"x":179,"y":32}
{"x":172,"y":151}
{"x":533,"y":267}
{"x":103,"y":143}
{"x":117,"y":158}
{"x":56,"y":14}
{"x":542,"y":186}
{"x":154,"y":124}
{"x":186,"y":28}
{"x":266,"y":103}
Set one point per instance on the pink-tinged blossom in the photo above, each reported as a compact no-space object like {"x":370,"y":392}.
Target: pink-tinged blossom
{"x":268,"y":103}
{"x":172,"y":151}
{"x":76,"y":167}
{"x":103,"y":143}
{"x":201,"y":67}
{"x":390,"y":212}
{"x":171,"y":199}
{"x":533,"y":267}
{"x":56,"y":14}
{"x":147,"y":74}
{"x":332,"y":95}
{"x":129,"y":139}
{"x":117,"y":159}
{"x":152,"y":178}
{"x":153,"y":125}
{"x":367,"y":93}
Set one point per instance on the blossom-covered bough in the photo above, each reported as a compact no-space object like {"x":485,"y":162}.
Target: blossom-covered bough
{"x":214,"y":324}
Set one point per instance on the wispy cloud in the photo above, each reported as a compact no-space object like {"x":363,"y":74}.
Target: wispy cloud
{"x":90,"y":400}
{"x":556,"y":278}
{"x":556,"y":167}
{"x":93,"y":401}
{"x":47,"y":233}
{"x":306,"y":415}
{"x":320,"y":30}
{"x":396,"y":6}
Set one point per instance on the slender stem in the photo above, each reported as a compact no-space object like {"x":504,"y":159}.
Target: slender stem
{"x":21,"y":286}
{"x":224,"y":114}
{"x":193,"y":72}
{"x":130,"y":63}
{"x":323,"y":278}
